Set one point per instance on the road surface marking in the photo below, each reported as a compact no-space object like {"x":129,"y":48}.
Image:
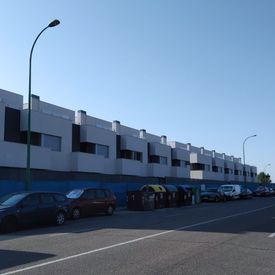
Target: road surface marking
{"x":271,"y":235}
{"x":133,"y":241}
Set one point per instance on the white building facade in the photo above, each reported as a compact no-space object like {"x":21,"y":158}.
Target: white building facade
{"x":67,"y":141}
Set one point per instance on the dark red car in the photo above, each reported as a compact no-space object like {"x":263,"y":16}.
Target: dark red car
{"x":86,"y":202}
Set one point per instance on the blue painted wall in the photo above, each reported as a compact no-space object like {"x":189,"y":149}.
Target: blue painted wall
{"x":119,"y":189}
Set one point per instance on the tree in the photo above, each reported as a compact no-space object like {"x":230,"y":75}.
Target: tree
{"x":263,"y":178}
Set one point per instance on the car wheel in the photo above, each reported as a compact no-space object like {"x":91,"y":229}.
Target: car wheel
{"x":76,"y":214}
{"x":110,"y":210}
{"x":9,"y":225}
{"x":60,"y":218}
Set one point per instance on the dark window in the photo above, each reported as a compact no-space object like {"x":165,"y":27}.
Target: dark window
{"x":176,"y":162}
{"x":35,"y":138}
{"x":12,"y":125}
{"x":87,"y":147}
{"x":137,"y":156}
{"x":47,"y":199}
{"x":215,"y":169}
{"x":31,"y":200}
{"x":90,"y":194}
{"x":75,"y":138}
{"x":126,"y":154}
{"x":59,"y":197}
{"x":108,"y":193}
{"x":197,"y":167}
{"x":226,"y":170}
{"x":154,"y":159}
{"x":100,"y":194}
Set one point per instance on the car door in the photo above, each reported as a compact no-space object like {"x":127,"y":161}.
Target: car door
{"x":88,"y":202}
{"x":100,"y":201}
{"x":28,"y":212}
{"x":47,"y":208}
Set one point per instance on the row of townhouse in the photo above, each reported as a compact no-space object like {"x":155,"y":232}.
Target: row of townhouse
{"x":63,"y":140}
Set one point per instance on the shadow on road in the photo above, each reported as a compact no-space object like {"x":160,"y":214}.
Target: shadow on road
{"x":12,"y":258}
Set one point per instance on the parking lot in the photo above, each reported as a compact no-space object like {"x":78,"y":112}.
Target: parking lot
{"x":236,"y":237}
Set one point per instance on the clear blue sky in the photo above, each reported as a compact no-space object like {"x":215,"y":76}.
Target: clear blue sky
{"x":200,"y":71}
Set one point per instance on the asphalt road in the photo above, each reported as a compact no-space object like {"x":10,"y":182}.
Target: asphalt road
{"x":211,"y":238}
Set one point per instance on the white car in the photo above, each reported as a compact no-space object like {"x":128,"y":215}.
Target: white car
{"x":231,"y":191}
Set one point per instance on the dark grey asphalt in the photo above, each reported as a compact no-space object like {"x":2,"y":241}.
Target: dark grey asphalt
{"x":215,"y":238}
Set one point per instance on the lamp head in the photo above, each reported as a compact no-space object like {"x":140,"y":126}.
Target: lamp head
{"x":54,"y":23}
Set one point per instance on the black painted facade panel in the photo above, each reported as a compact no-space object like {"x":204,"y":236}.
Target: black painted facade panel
{"x":12,"y":125}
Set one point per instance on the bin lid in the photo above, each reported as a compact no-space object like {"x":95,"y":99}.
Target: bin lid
{"x":153,"y":187}
{"x":185,"y":187}
{"x":170,"y":188}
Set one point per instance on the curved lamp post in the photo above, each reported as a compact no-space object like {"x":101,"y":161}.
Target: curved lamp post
{"x":28,"y":169}
{"x":244,"y":159}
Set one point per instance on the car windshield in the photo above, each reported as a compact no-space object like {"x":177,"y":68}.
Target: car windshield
{"x":75,"y":194}
{"x":227,"y":188}
{"x":11,"y":199}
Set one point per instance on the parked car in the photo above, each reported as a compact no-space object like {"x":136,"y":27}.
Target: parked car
{"x":30,"y":208}
{"x":213,"y":194}
{"x":246,"y":193}
{"x":85,"y":202}
{"x":231,"y":191}
{"x":272,"y":191}
{"x":262,"y":191}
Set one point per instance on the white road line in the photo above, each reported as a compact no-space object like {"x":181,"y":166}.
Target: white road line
{"x":271,"y":235}
{"x":133,"y":241}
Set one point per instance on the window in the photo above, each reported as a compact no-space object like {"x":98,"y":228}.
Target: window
{"x":176,"y":162}
{"x":59,"y":197}
{"x":89,"y":194}
{"x":163,"y":160}
{"x":31,"y":200}
{"x":87,"y":147}
{"x":137,"y":156}
{"x":102,"y":150}
{"x":100,"y":194}
{"x":47,"y":199}
{"x":206,"y":167}
{"x":154,"y":159}
{"x":51,"y":142}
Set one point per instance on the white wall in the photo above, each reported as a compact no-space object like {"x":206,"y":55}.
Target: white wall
{"x":198,"y":158}
{"x":101,"y":136}
{"x":181,"y":154}
{"x":84,"y":162}
{"x":131,"y":167}
{"x":51,"y":125}
{"x":2,"y":120}
{"x":163,"y":150}
{"x":158,"y":170}
{"x":134,"y":144}
{"x":180,"y":172}
{"x":10,"y":99}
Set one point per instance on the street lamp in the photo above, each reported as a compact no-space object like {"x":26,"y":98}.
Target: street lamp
{"x":244,"y":160}
{"x":28,"y":168}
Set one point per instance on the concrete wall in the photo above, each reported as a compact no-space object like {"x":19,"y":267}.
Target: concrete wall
{"x":131,"y":167}
{"x":51,"y":125}
{"x":2,"y":119}
{"x":10,"y":99}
